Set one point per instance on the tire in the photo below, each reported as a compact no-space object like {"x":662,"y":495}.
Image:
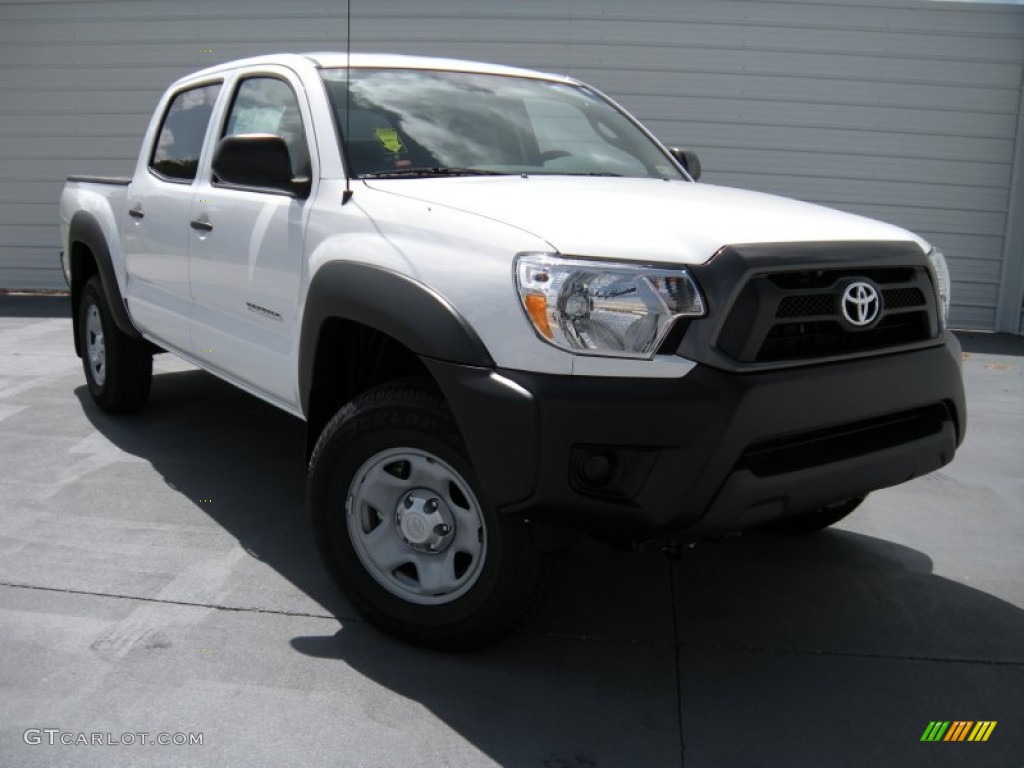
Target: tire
{"x":405,"y":530}
{"x":118,"y":368}
{"x":815,"y":520}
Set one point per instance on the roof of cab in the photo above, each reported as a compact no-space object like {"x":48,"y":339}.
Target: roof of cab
{"x":328,"y":59}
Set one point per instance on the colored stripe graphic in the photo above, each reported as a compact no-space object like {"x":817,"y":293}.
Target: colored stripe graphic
{"x":958,"y":730}
{"x":982,"y":730}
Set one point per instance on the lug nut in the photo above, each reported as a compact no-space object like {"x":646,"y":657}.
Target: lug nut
{"x":442,"y":529}
{"x":433,"y":504}
{"x":408,"y":501}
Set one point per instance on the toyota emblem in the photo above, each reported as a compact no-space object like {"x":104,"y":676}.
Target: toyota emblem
{"x":860,"y":304}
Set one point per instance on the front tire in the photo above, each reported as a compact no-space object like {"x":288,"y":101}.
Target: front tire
{"x":405,"y":530}
{"x":118,"y":368}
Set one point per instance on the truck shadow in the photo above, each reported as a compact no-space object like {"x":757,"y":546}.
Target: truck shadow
{"x":837,"y":649}
{"x":238,"y":459}
{"x":776,"y":651}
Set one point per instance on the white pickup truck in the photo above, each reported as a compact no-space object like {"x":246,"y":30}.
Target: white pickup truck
{"x":506,"y":311}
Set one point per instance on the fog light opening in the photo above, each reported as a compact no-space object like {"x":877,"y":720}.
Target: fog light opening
{"x":597,"y":468}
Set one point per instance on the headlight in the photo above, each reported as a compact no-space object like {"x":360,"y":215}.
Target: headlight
{"x":604,"y":308}
{"x":942,"y":282}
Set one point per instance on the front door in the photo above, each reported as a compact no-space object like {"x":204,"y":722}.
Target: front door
{"x":246,"y":256}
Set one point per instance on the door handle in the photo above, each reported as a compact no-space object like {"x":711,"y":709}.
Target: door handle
{"x":136,"y":212}
{"x":201,"y":226}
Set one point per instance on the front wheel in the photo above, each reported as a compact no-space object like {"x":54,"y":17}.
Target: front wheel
{"x":407,"y":533}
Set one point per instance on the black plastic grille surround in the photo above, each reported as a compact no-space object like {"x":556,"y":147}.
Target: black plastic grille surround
{"x":796,"y":315}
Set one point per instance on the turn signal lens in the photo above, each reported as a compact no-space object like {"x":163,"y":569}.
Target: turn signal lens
{"x":537,"y":308}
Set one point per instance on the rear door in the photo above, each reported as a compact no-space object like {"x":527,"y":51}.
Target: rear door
{"x":246,"y":265}
{"x":156,"y":222}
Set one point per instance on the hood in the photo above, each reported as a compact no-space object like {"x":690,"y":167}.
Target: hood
{"x":641,"y":219}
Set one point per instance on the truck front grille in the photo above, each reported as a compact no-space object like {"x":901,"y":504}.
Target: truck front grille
{"x":824,"y":304}
{"x":797,"y":315}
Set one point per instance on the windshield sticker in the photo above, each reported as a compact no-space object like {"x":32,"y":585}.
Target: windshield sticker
{"x":388,"y":138}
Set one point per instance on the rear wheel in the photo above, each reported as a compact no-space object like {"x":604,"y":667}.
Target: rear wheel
{"x":815,"y":520}
{"x":407,"y":533}
{"x":118,"y":368}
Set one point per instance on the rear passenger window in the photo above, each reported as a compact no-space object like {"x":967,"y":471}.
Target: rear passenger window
{"x":176,"y":155}
{"x":268,"y":105}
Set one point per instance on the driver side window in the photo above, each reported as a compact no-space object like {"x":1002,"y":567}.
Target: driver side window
{"x":268,"y":105}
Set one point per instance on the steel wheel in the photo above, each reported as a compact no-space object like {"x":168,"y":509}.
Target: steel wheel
{"x":416,"y":526}
{"x":406,"y":530}
{"x":118,"y":368}
{"x":95,"y":348}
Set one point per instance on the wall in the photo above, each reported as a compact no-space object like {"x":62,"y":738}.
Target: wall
{"x":904,"y":111}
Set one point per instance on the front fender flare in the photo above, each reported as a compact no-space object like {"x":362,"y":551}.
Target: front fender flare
{"x":397,"y":305}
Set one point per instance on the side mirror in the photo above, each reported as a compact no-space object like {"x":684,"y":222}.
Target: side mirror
{"x":688,"y":160}
{"x":258,"y":161}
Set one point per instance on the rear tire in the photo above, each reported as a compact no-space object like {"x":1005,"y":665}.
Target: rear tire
{"x":815,"y":520}
{"x":405,"y":529}
{"x":118,"y":368}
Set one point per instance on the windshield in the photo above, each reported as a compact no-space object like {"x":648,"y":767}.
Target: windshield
{"x":405,"y":122}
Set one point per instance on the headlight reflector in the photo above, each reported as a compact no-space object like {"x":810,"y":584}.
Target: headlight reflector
{"x":942,"y":280}
{"x":604,"y":308}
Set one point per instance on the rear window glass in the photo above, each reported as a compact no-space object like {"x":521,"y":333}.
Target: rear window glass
{"x":176,"y":155}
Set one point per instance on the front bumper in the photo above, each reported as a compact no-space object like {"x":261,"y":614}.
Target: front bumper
{"x":713,"y":451}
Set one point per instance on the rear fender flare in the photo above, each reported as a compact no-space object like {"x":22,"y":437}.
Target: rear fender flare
{"x":86,"y":230}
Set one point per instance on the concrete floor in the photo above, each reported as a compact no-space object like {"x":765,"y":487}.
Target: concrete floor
{"x":156,"y":576}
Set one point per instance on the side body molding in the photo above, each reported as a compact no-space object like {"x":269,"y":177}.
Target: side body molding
{"x":86,"y":230}
{"x":392,"y":303}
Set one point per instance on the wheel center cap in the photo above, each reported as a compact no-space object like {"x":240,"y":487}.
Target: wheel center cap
{"x":425,"y":521}
{"x":415,"y":528}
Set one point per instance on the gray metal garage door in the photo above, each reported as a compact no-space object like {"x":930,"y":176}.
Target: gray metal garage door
{"x":905,"y":111}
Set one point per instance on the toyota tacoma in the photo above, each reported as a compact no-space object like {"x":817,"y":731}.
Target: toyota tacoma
{"x":505,"y":311}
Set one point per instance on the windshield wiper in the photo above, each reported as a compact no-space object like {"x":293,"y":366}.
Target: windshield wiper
{"x":585,"y":173}
{"x":397,"y":172}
